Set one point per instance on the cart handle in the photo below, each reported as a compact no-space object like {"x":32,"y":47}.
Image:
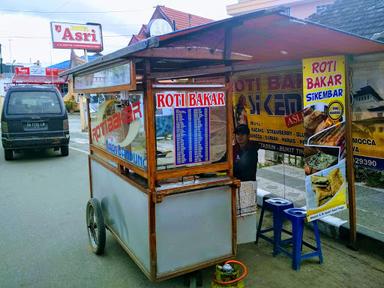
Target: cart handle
{"x":245,"y":273}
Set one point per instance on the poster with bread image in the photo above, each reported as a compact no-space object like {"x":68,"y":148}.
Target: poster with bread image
{"x":326,"y":191}
{"x":324,"y":135}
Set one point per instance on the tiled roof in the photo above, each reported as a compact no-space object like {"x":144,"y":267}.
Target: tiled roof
{"x":368,"y":90}
{"x":143,"y":31}
{"x":364,"y":18}
{"x":183,"y":20}
{"x":136,"y":38}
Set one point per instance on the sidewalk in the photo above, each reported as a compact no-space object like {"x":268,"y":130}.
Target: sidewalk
{"x":342,"y":267}
{"x":288,"y":182}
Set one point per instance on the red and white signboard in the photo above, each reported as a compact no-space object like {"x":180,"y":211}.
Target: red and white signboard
{"x":36,"y":71}
{"x":77,"y":36}
{"x":177,"y":99}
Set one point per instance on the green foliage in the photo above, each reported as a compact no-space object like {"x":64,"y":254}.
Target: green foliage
{"x":71,"y":105}
{"x":370,"y":177}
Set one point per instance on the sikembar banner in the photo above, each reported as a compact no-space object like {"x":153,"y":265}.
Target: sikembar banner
{"x":324,"y":135}
{"x":271,"y":105}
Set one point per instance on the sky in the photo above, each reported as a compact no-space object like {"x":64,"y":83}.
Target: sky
{"x":25,"y":34}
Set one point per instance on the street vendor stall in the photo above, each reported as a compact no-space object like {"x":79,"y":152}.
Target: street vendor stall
{"x":160,"y":161}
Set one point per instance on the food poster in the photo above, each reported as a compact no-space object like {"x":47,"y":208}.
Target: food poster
{"x":271,"y":105}
{"x":368,"y":114}
{"x":117,"y":126}
{"x":190,"y":127}
{"x":324,"y":133}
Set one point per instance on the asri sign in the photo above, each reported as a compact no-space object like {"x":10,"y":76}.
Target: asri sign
{"x":77,"y":36}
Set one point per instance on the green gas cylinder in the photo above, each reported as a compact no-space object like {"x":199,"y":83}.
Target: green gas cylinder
{"x":230,"y":275}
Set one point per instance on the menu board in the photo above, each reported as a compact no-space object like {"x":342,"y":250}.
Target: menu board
{"x":191,"y":135}
{"x":324,"y":132}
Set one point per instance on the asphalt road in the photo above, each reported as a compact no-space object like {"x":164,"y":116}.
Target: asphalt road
{"x":43,"y":239}
{"x":43,"y":236}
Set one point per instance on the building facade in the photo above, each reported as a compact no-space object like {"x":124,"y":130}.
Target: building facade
{"x":295,"y":8}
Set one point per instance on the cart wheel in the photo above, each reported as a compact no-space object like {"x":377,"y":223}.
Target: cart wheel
{"x":95,"y":226}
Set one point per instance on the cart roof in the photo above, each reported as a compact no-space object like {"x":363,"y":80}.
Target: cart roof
{"x":258,"y":37}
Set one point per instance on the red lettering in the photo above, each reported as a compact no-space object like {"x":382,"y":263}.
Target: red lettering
{"x":309,"y":83}
{"x":323,"y":67}
{"x":160,"y":100}
{"x":214,"y":99}
{"x":207,"y":100}
{"x":239,"y":85}
{"x":221,"y":100}
{"x":96,"y":133}
{"x":78,"y":36}
{"x":315,"y":67}
{"x":110,"y":124}
{"x":136,"y":110}
{"x":116,"y":121}
{"x":67,"y":35}
{"x":257,"y":84}
{"x":273,"y":82}
{"x":104,"y":127}
{"x":199,"y":99}
{"x":177,"y":99}
{"x":288,"y":82}
{"x":169,"y":100}
{"x":86,"y":36}
{"x":338,"y":79}
{"x":126,"y":115}
{"x":93,"y":35}
{"x":192,"y":99}
{"x":250,"y":83}
{"x":322,"y":82}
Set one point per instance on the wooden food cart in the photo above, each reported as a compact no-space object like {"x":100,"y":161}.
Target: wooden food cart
{"x":155,"y":149}
{"x":160,"y":163}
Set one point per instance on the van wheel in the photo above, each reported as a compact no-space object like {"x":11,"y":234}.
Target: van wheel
{"x":64,"y":150}
{"x":8,"y":154}
{"x":95,"y":226}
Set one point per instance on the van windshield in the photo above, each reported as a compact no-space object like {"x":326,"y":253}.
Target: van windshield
{"x":33,"y":102}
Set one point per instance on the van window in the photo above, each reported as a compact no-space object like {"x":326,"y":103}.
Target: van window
{"x":33,"y":102}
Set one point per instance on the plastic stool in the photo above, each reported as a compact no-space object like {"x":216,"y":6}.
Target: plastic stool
{"x":297,"y":218}
{"x":276,"y":206}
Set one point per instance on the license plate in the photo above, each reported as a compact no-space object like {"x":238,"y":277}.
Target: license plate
{"x":35,"y":125}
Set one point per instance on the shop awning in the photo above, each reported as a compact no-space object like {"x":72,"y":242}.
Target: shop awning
{"x":28,"y":79}
{"x":256,"y":37}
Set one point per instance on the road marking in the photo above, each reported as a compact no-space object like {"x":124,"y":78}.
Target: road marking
{"x":79,"y":140}
{"x":79,"y":150}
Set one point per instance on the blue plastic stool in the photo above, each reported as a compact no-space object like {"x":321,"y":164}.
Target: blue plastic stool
{"x":277,"y":207}
{"x":297,"y":218}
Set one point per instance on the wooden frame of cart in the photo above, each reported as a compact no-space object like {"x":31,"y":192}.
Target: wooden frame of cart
{"x":151,"y":196}
{"x":153,"y":204}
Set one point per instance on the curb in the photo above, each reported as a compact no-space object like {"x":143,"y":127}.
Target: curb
{"x":338,"y":229}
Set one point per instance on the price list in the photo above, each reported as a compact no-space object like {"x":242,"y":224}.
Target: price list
{"x":192,"y":141}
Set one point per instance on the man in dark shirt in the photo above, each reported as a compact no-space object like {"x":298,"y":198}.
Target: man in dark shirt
{"x":244,"y":155}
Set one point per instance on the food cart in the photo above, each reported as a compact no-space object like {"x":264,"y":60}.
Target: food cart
{"x":160,"y":163}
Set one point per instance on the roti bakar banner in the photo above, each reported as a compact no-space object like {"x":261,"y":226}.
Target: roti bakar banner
{"x":324,"y":85}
